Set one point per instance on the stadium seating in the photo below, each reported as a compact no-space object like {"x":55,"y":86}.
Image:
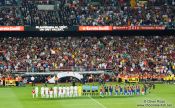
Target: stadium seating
{"x":8,"y":2}
{"x":125,"y":55}
{"x":88,"y":12}
{"x":9,"y":16}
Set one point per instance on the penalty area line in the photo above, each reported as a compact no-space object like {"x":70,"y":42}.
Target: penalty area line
{"x":97,"y":102}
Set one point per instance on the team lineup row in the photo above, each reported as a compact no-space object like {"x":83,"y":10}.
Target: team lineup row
{"x":75,"y":91}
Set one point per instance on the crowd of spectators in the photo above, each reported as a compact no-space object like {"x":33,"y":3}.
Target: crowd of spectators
{"x":123,"y":55}
{"x":92,"y":12}
{"x":8,"y":2}
{"x":9,"y":16}
{"x":34,"y":17}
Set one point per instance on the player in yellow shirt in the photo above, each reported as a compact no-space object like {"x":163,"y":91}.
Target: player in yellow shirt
{"x":79,"y":90}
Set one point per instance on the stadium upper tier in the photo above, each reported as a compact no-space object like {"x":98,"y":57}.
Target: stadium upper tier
{"x":120,"y":54}
{"x":87,"y":12}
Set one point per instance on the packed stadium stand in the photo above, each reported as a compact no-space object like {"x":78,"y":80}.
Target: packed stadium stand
{"x":120,"y":54}
{"x":124,"y":55}
{"x":90,"y":53}
{"x":87,"y":12}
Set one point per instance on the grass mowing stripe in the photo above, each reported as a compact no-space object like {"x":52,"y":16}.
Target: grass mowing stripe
{"x":9,"y":99}
{"x":167,"y":101}
{"x":97,"y":102}
{"x":159,"y":96}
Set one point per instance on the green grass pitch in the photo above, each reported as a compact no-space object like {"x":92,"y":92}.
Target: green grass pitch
{"x":21,"y":97}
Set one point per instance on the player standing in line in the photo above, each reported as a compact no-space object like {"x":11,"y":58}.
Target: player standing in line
{"x":138,"y":90}
{"x":96,"y":90}
{"x":67,"y":91}
{"x":71,"y":91}
{"x":33,"y":93}
{"x":121,"y":90}
{"x":64,"y":91}
{"x":55,"y":92}
{"x":129,"y":90}
{"x":116,"y":90}
{"x":106,"y":90}
{"x":36,"y":91}
{"x":133,"y":89}
{"x":125,"y":90}
{"x":61,"y":91}
{"x":93,"y":90}
{"x":145,"y":88}
{"x":58,"y":92}
{"x":84,"y":89}
{"x":110,"y":90}
{"x":42,"y":92}
{"x":102,"y":91}
{"x":88,"y":89}
{"x":75,"y":91}
{"x":51,"y":93}
{"x":79,"y":90}
{"x":143,"y":91}
{"x":47,"y":92}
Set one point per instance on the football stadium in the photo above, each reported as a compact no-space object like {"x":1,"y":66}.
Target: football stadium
{"x":87,"y":53}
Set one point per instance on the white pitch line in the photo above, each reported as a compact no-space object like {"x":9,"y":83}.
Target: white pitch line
{"x":97,"y":102}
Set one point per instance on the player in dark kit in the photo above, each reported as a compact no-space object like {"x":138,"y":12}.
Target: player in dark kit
{"x":121,"y":90}
{"x":125,"y":90}
{"x":129,"y":90}
{"x":110,"y":90}
{"x":133,"y":89}
{"x":106,"y":90}
{"x":138,"y":89}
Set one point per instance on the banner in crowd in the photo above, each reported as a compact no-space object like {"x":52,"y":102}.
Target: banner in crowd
{"x":133,"y":80}
{"x":113,"y":28}
{"x":69,"y":74}
{"x":95,"y":28}
{"x":45,"y":7}
{"x":51,"y":28}
{"x":138,"y":27}
{"x":11,"y":28}
{"x":10,"y":83}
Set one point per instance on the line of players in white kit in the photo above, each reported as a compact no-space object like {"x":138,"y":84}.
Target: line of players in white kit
{"x":56,"y":92}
